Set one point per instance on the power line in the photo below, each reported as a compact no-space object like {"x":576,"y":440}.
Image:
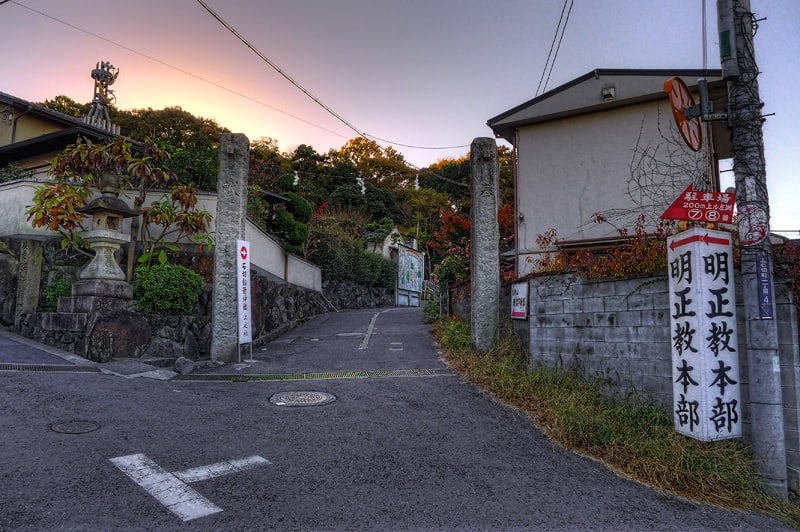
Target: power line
{"x":558,"y":35}
{"x":232,"y":91}
{"x":305,"y":91}
{"x":555,"y":55}
{"x":173,"y":67}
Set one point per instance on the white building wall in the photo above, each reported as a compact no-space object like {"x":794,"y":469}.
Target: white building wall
{"x":266,"y":252}
{"x":570,"y":169}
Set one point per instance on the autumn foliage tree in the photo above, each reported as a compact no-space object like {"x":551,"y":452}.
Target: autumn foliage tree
{"x":140,"y":167}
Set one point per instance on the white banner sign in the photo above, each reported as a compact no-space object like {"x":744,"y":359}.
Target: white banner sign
{"x":519,"y":301}
{"x":243,"y":290}
{"x":705,"y":357}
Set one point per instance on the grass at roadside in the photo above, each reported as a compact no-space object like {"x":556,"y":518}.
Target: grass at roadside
{"x":633,"y":438}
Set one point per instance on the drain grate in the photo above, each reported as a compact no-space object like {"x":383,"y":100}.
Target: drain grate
{"x":48,"y":367}
{"x":301,"y":398}
{"x":74,"y":427}
{"x":440,"y":372}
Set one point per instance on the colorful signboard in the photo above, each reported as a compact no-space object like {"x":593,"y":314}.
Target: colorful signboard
{"x":519,"y":301}
{"x":702,"y":206}
{"x":410,"y":269}
{"x":705,"y":357}
{"x":243,"y":291}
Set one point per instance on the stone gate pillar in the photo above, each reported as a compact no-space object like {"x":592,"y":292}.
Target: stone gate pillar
{"x":484,"y":246}
{"x":234,"y":154}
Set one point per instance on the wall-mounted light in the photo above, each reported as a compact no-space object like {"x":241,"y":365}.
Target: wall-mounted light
{"x":608,"y":93}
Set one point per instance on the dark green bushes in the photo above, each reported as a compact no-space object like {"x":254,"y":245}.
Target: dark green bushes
{"x":355,"y":264}
{"x":166,"y":289}
{"x":58,"y":288}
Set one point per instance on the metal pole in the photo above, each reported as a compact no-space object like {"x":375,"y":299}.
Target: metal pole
{"x":747,"y":143}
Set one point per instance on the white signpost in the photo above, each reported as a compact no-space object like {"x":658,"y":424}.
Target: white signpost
{"x":519,"y":301}
{"x":705,"y":357}
{"x":243,"y":292}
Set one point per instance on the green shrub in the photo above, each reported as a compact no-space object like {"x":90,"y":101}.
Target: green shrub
{"x":166,"y":289}
{"x":430,"y":312}
{"x":300,"y":207}
{"x":355,"y":264}
{"x":58,"y":288}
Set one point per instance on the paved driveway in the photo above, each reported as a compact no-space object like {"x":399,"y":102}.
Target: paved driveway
{"x":405,"y":445}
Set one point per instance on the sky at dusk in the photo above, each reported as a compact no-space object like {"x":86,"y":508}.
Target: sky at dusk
{"x":424,"y":73}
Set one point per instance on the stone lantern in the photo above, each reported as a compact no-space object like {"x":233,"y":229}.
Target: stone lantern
{"x":101,"y":299}
{"x":106,"y":236}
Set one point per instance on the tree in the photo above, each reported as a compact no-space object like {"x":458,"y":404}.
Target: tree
{"x":140,"y":167}
{"x":423,"y":210}
{"x":383,"y":167}
{"x":453,"y":171}
{"x":266,"y":163}
{"x":68,"y":106}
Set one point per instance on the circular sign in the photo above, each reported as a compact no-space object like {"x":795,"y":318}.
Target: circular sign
{"x":695,"y":214}
{"x":680,"y":99}
{"x":753,"y":225}
{"x":243,"y":252}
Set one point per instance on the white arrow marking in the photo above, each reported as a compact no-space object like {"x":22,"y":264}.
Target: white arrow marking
{"x":172,"y":490}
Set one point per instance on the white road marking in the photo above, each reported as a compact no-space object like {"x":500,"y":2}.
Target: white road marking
{"x":396,"y":346}
{"x":365,"y":341}
{"x":196,"y":474}
{"x":172,"y":490}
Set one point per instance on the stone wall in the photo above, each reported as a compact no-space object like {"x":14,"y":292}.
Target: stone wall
{"x":619,"y":332}
{"x":277,"y":306}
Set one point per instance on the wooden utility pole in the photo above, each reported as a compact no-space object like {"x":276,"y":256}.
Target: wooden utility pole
{"x":736,"y":26}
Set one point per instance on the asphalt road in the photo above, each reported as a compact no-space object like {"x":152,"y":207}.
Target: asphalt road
{"x":420,"y":451}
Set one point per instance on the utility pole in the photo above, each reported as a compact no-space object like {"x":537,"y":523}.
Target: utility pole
{"x":736,"y":27}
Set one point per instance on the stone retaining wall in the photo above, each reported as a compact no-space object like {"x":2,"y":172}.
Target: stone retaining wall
{"x":277,"y":306}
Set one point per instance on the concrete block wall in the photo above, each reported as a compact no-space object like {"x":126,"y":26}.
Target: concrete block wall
{"x":619,"y":331}
{"x":614,"y":330}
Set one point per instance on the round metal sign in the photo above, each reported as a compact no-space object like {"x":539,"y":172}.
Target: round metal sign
{"x":753,"y":225}
{"x":680,"y":98}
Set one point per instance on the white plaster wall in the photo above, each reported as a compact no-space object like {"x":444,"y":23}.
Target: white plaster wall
{"x":303,"y":273}
{"x":266,"y":252}
{"x":15,"y":197}
{"x":571,"y":168}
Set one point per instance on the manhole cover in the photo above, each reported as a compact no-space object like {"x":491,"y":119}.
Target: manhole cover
{"x":74,"y":427}
{"x":301,"y":398}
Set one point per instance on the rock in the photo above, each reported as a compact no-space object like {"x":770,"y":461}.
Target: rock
{"x":184,"y":366}
{"x":121,"y":334}
{"x":190,"y":347}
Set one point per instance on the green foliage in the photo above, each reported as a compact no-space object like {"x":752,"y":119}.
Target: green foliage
{"x":286,"y":183}
{"x":354,"y":264}
{"x":166,"y":289}
{"x":11,"y":172}
{"x":454,"y":268}
{"x":58,"y":288}
{"x":300,"y":208}
{"x":68,"y":106}
{"x":349,"y":196}
{"x":175,"y":215}
{"x":430,"y":312}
